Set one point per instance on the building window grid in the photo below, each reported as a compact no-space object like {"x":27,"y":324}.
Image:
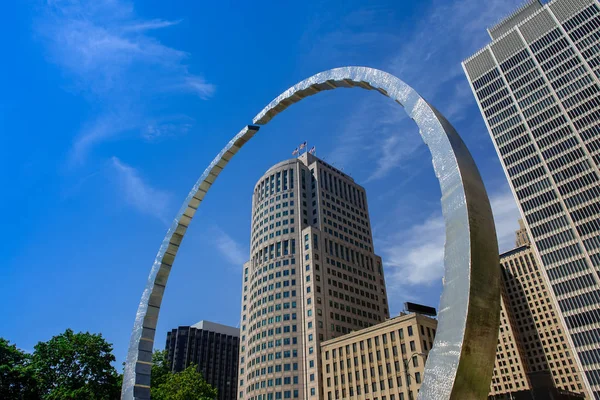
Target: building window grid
{"x":581,"y":189}
{"x":525,"y":145}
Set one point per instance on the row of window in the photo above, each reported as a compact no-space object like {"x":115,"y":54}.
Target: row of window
{"x":374,"y":387}
{"x":271,"y":309}
{"x":389,"y":374}
{"x":286,"y":380}
{"x":275,"y":233}
{"x":349,"y":192}
{"x":287,"y":394}
{"x":286,"y":272}
{"x":275,"y":183}
{"x":270,"y":332}
{"x":276,"y":211}
{"x":277,"y":249}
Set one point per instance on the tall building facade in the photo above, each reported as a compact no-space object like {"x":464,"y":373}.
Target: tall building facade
{"x":532,"y":338}
{"x":385,"y":361}
{"x":312,"y":276}
{"x":214,"y":348}
{"x":537,"y":86}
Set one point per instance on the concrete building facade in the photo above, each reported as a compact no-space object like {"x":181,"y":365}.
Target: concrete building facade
{"x":312,"y":276}
{"x":213,"y":347}
{"x":532,"y":337}
{"x":533,"y":355}
{"x":537,"y":85}
{"x":383,"y":362}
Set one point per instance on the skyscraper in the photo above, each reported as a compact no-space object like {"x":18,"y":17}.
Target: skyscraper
{"x":537,"y":88}
{"x":214,"y":348}
{"x":532,"y":338}
{"x":312,"y":276}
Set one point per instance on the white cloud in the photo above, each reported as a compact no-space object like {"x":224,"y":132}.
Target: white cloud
{"x":110,"y":53}
{"x":149,"y":25}
{"x":232,"y":251}
{"x":414,"y":257}
{"x":105,"y":127}
{"x":139,"y":194}
{"x":381,"y":132}
{"x":166,"y":127}
{"x":199,"y":86}
{"x":428,"y":57}
{"x":113,"y":125}
{"x":506,"y":216}
{"x":393,"y":150}
{"x":431,"y":55}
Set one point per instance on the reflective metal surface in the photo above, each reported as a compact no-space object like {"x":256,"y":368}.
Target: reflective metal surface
{"x":461,"y":361}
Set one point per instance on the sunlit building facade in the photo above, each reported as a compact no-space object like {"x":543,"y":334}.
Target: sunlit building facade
{"x":532,"y":337}
{"x":537,"y":85}
{"x":385,"y":361}
{"x":312,"y":276}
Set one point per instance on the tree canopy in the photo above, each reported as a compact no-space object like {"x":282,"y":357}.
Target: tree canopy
{"x":16,"y":375}
{"x":75,"y":366}
{"x":78,"y":366}
{"x":185,"y":385}
{"x":160,"y":368}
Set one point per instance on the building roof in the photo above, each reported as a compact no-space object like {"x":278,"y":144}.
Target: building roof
{"x":217,"y":328}
{"x":394,"y":320}
{"x":512,"y":20}
{"x":513,"y":251}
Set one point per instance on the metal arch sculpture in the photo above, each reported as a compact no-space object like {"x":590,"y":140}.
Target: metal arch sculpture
{"x":460,"y":364}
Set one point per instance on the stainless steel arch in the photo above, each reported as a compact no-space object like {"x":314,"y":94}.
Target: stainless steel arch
{"x":461,"y":362}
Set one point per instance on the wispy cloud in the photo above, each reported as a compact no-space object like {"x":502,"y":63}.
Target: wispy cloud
{"x":138,"y":193}
{"x":427,"y":56}
{"x":103,"y":128}
{"x":431,"y":55}
{"x":382,"y":133}
{"x":110,"y":53}
{"x":414,"y":256}
{"x":231,"y":250}
{"x":506,"y":216}
{"x":149,"y":25}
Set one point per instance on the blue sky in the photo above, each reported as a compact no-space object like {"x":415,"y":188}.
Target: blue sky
{"x":110,"y":110}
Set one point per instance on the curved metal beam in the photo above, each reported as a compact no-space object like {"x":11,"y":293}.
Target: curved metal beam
{"x":461,"y":361}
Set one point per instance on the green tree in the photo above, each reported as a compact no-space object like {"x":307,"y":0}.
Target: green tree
{"x":16,"y":375}
{"x":185,"y":385}
{"x":76,"y":366}
{"x":160,"y":369}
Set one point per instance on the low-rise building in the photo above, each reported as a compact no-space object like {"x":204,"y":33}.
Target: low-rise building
{"x":383,"y":362}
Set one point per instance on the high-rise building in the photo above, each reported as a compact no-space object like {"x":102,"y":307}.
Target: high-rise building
{"x":312,"y":276}
{"x":383,"y":361}
{"x":532,"y":338}
{"x":537,"y":86}
{"x":214,"y":348}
